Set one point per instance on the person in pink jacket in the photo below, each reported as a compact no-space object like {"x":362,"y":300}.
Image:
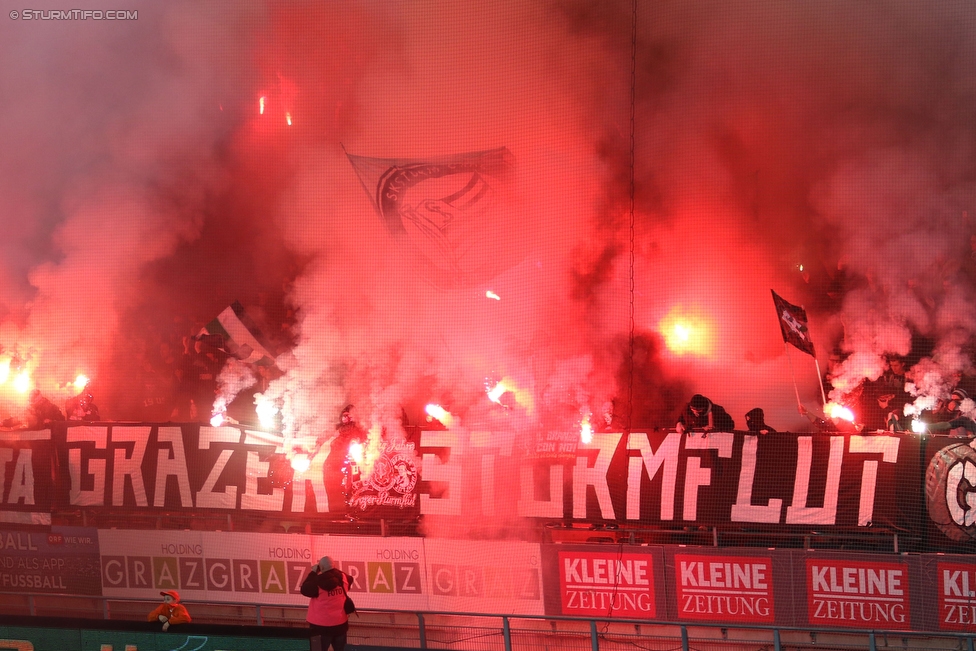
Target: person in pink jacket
{"x":326,"y":586}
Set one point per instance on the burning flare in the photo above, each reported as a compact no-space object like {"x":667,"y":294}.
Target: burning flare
{"x":266,"y":411}
{"x":81,"y":381}
{"x":496,"y":392}
{"x":491,"y":294}
{"x":356,"y":452}
{"x":686,"y":333}
{"x":507,"y":394}
{"x":586,"y":430}
{"x":22,"y":382}
{"x":300,"y":462}
{"x":835,"y":410}
{"x":439,"y":413}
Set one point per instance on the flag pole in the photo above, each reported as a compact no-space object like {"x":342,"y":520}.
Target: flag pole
{"x":823,"y":394}
{"x":793,"y":326}
{"x":793,"y":375}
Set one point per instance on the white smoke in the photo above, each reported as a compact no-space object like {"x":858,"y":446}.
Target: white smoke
{"x":145,"y":187}
{"x":234,"y":377}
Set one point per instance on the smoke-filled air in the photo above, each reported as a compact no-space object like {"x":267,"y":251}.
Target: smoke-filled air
{"x":527,"y":214}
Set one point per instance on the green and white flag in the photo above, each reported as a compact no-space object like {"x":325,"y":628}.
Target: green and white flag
{"x":240,"y":336}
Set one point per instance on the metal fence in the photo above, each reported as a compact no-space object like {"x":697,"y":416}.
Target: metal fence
{"x":499,"y":632}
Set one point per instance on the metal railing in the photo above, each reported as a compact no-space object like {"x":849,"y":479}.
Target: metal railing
{"x":876,"y":539}
{"x":503,"y":632}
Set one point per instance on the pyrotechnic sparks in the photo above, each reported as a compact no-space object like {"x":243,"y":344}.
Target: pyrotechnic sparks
{"x":266,"y":411}
{"x":440,"y":414}
{"x":22,"y":382}
{"x":918,"y":426}
{"x":356,"y":452}
{"x":835,"y":410}
{"x":686,"y":333}
{"x":371,"y":450}
{"x":507,"y":393}
{"x":496,"y":392}
{"x":300,"y":462}
{"x":586,"y":430}
{"x":709,"y":243}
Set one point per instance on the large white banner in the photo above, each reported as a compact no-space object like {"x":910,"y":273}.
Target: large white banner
{"x":387,"y":573}
{"x":484,"y":576}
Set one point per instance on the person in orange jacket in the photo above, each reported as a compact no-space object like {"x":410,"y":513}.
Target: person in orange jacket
{"x":171,"y":611}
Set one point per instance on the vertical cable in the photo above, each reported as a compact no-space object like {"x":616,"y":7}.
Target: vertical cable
{"x":630,"y":387}
{"x":633,"y":111}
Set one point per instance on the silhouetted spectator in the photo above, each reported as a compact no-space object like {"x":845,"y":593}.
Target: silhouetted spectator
{"x":341,"y":471}
{"x":834,"y":360}
{"x":702,"y":414}
{"x":197,"y":373}
{"x":756,"y":422}
{"x":883,"y":396}
{"x":41,"y":411}
{"x":960,"y":425}
{"x":81,"y":407}
{"x":610,"y":419}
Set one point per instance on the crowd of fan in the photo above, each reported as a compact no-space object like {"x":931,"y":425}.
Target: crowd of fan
{"x":171,"y":385}
{"x":881,"y":404}
{"x":178,"y":377}
{"x":878,"y":405}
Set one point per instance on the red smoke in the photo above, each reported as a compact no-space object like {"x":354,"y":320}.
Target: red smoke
{"x":144,"y":192}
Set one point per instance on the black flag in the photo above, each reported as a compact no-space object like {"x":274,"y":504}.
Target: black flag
{"x":793,"y":324}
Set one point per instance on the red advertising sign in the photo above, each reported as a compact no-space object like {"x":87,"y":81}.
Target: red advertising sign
{"x":726,"y":588}
{"x":957,"y":596}
{"x":860,"y":594}
{"x":607,"y":584}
